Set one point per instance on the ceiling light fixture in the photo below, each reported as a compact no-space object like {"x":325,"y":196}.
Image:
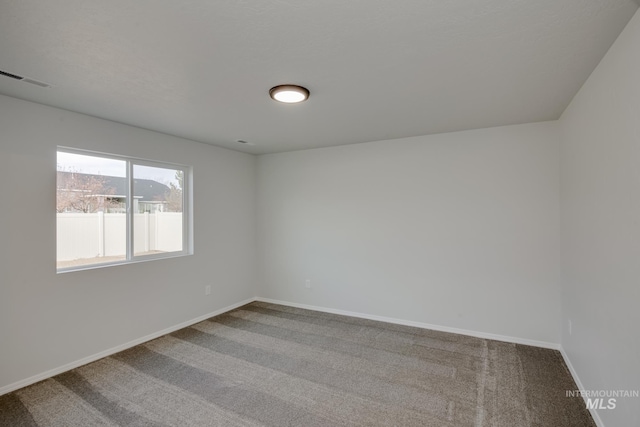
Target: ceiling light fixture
{"x":290,"y":94}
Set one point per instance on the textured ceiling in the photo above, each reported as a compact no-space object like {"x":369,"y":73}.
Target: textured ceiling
{"x":376,"y":69}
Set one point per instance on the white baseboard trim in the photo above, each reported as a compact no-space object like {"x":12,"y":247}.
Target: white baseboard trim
{"x":574,"y":374}
{"x":484,"y":335}
{"x":50,"y":373}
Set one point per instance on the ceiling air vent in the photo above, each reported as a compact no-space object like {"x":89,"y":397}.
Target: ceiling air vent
{"x":13,"y":76}
{"x":35,"y":82}
{"x":24,"y":79}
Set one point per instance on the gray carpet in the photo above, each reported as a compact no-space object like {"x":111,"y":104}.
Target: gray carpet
{"x":270,"y":365}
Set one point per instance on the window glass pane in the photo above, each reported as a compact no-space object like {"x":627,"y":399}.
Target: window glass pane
{"x":157,"y":206}
{"x":90,"y":208}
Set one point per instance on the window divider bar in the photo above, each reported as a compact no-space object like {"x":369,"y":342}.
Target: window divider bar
{"x":130,"y":211}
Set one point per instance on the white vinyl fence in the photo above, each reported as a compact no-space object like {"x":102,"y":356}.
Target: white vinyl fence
{"x":90,"y":235}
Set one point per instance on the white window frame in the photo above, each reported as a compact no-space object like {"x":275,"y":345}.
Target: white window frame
{"x":187,"y":208}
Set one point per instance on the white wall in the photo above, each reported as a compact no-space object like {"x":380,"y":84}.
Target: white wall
{"x":457,"y":230}
{"x":600,"y":191}
{"x":49,"y":319}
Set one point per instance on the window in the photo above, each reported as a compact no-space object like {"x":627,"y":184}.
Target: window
{"x":114,"y":210}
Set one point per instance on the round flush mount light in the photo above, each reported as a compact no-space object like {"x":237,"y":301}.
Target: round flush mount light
{"x":289,"y":94}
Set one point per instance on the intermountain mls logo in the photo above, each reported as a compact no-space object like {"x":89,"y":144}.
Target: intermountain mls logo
{"x":602,"y":399}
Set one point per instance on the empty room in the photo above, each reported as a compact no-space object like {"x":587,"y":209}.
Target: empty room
{"x":329,"y":213}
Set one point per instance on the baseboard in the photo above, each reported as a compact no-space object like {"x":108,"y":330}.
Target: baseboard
{"x":574,"y":374}
{"x":476,"y":334}
{"x":50,"y":373}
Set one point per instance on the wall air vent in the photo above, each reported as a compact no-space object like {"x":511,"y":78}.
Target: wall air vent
{"x":24,"y":79}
